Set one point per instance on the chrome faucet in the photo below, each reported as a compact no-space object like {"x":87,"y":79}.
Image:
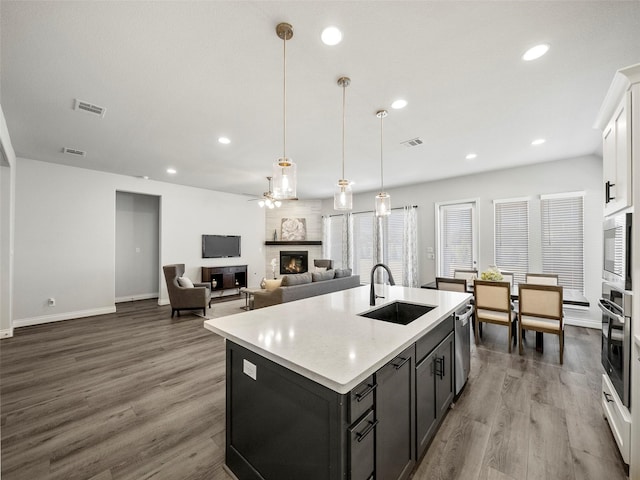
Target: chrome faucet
{"x":372,"y":295}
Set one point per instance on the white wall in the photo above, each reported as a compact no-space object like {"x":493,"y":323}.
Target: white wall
{"x":65,"y":237}
{"x":7,"y":211}
{"x":578,"y":174}
{"x":137,"y":246}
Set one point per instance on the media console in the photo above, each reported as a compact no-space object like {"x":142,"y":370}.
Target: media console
{"x":227,"y":278}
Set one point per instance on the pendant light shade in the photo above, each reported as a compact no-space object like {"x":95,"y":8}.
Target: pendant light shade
{"x":383,"y":199}
{"x":343,"y":198}
{"x":284,"y":170}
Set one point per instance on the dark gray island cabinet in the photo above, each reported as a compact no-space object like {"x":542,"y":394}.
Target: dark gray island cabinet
{"x":282,"y":425}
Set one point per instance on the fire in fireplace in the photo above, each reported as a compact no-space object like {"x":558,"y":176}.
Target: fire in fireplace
{"x":293,"y":262}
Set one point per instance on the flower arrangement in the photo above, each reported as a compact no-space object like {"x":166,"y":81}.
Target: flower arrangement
{"x":274,"y":262}
{"x":492,"y":274}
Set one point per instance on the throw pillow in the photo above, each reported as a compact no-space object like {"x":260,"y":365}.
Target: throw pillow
{"x":343,"y":272}
{"x":321,"y":269}
{"x":185,"y":282}
{"x":297,"y":279}
{"x":272,"y":284}
{"x":320,"y":276}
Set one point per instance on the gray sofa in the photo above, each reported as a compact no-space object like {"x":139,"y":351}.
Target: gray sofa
{"x":303,"y":285}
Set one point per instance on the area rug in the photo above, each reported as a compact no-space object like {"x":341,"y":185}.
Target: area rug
{"x":222,"y":309}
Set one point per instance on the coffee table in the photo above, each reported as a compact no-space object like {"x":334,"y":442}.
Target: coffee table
{"x":248,"y":293}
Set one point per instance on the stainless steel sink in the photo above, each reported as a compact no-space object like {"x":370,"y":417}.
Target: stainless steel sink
{"x":402,"y":313}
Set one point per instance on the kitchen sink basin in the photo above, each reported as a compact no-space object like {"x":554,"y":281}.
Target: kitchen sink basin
{"x":402,"y":313}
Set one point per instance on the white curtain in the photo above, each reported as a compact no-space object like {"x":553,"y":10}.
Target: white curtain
{"x":326,"y":237}
{"x":347,"y":240}
{"x":410,"y":247}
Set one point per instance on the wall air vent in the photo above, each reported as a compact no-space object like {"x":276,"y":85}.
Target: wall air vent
{"x":90,"y":108}
{"x":74,"y":151}
{"x":414,"y":142}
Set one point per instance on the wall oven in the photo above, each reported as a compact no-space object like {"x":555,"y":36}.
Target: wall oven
{"x":616,"y":266}
{"x":615,"y":305}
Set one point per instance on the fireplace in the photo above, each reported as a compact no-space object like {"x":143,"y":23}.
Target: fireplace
{"x":294,"y":262}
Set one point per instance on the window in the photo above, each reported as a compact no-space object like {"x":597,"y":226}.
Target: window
{"x":562,"y":218}
{"x":511,"y":237}
{"x":363,"y":257}
{"x":393,"y":251}
{"x":457,"y":239}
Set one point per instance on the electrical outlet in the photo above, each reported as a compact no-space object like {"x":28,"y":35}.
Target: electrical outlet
{"x":52,"y":302}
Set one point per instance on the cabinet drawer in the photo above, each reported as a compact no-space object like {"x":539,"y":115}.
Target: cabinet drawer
{"x":428,"y":342}
{"x":361,"y":399}
{"x":361,"y":448}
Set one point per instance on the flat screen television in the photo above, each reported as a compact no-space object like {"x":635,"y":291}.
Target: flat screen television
{"x":220,"y":246}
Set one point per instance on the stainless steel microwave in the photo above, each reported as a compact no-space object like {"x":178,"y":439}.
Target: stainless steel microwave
{"x":616,"y":265}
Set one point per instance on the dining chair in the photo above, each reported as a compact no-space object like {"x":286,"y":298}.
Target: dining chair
{"x":541,"y":278}
{"x":540,"y":309}
{"x":451,"y":284}
{"x":507,"y":277}
{"x":493,"y":305}
{"x":468,"y":275}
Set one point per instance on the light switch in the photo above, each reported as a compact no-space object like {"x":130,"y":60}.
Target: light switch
{"x":249,"y":369}
{"x":137,"y":249}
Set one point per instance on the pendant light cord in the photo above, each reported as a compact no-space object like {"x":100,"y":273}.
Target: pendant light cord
{"x":381,"y":172}
{"x":284,"y":96}
{"x":344,"y":94}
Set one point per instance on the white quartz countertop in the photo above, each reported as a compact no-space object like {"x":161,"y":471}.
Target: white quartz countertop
{"x":323,"y":338}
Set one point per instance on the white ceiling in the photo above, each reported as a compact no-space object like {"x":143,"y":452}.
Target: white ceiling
{"x":174,"y":76}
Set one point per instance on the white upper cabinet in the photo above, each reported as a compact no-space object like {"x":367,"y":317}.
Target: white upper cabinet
{"x":616,"y":120}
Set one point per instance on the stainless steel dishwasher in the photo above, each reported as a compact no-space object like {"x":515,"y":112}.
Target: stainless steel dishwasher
{"x":462,"y":346}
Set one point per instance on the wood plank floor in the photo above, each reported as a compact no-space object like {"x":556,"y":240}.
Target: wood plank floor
{"x":137,"y":395}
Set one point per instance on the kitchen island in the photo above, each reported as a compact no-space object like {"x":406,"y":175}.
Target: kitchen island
{"x":316,"y":391}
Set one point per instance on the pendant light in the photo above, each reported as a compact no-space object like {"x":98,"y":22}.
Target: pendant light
{"x":383,"y":199}
{"x":343,"y":198}
{"x":284,"y":170}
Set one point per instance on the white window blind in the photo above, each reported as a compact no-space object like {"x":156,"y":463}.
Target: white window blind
{"x":511,"y":222}
{"x":563,"y":238}
{"x":456,"y":238}
{"x":363,"y":245}
{"x":395,"y":232}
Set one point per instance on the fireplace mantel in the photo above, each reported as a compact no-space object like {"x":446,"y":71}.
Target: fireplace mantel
{"x":294,"y":242}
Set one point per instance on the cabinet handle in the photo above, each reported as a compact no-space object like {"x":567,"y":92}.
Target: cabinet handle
{"x":366,"y":431}
{"x":607,"y":397}
{"x":370,"y":388}
{"x":607,"y":192}
{"x":440,"y":363}
{"x":399,"y":365}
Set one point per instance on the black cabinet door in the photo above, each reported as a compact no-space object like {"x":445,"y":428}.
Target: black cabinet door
{"x":426,"y":411}
{"x":395,"y":410}
{"x":444,"y":358}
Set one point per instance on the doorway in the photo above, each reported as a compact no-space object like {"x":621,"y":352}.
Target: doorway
{"x":457,"y":237}
{"x":137,"y":246}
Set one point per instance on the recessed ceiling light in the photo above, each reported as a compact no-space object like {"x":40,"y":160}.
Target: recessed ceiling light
{"x":535,"y":52}
{"x":145,"y":177}
{"x":224,"y":140}
{"x":538,"y":141}
{"x":400,"y":103}
{"x":331,"y":36}
{"x":172,"y":171}
{"x":471,"y":156}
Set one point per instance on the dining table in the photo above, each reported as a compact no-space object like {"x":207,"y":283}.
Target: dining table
{"x":569,"y":297}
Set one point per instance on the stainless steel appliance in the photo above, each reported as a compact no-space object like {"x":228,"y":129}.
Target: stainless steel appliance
{"x":616,"y":267}
{"x":462,"y":338}
{"x":616,"y":338}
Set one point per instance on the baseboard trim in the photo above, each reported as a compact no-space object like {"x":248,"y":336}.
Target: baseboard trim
{"x":6,"y":333}
{"x":133,"y":298}
{"x":581,"y":322}
{"x":57,"y":317}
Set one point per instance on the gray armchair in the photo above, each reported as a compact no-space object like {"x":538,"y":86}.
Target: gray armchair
{"x":185,"y":298}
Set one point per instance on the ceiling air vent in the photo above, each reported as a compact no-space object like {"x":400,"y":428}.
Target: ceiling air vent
{"x":414,"y":142}
{"x":74,"y":151}
{"x":89,"y":108}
